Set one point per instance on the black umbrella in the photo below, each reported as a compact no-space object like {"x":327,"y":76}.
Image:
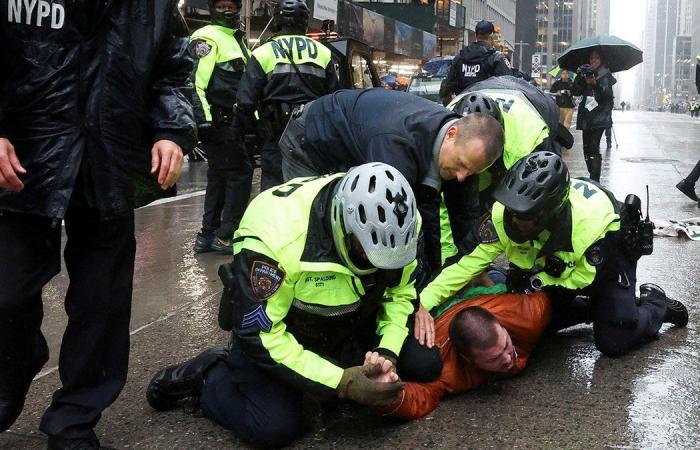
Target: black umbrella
{"x":617,"y":53}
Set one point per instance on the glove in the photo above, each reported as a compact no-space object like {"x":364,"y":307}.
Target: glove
{"x":356,"y":385}
{"x":204,"y":130}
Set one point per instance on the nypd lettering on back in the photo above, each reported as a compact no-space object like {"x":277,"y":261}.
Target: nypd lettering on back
{"x":471,"y":70}
{"x":39,"y":13}
{"x":285,"y":46}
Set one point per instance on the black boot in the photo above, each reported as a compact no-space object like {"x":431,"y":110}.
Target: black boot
{"x":594,"y":163}
{"x":183,"y":381}
{"x":676,"y":312}
{"x":688,"y":189}
{"x":58,"y":443}
{"x":208,"y":243}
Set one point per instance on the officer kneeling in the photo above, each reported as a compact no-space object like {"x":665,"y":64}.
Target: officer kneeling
{"x":322,"y":273}
{"x":573,"y":239}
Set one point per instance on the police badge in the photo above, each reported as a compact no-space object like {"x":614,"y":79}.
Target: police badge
{"x":265,"y":279}
{"x":487,"y":231}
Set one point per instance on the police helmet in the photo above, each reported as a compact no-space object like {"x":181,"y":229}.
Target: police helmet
{"x":228,"y":19}
{"x":535,"y":188}
{"x":478,"y":102}
{"x":292,"y":15}
{"x":374,"y":208}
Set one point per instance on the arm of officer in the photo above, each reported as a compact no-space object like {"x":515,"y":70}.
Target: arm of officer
{"x":393,"y":314}
{"x":250,"y":91}
{"x":204,"y":52}
{"x":266,"y":295}
{"x":501,"y":66}
{"x":450,"y":83}
{"x":332,"y":81}
{"x":483,"y":247}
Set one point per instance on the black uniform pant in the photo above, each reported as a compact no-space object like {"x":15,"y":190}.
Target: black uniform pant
{"x":99,"y":258}
{"x":620,"y":324}
{"x":694,"y":174}
{"x":271,"y":164}
{"x":240,"y":396}
{"x":229,"y":179}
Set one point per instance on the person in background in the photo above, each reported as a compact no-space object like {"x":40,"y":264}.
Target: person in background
{"x":562,"y":89}
{"x":687,"y":185}
{"x":95,"y":114}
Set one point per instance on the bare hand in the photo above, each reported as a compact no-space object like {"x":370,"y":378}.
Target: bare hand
{"x":10,"y":167}
{"x":166,"y":159}
{"x":386,"y":372}
{"x":424,"y":327}
{"x":484,"y":280}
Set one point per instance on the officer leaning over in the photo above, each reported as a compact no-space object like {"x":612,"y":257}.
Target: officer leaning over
{"x":569,"y":237}
{"x":475,"y":62}
{"x":288,"y":70}
{"x":322,"y":273}
{"x":220,"y":56}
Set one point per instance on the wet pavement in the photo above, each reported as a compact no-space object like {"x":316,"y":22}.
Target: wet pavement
{"x":569,"y":396}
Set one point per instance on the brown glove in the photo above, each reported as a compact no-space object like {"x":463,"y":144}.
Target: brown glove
{"x":356,"y":384}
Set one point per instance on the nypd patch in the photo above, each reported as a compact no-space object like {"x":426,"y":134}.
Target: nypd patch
{"x":201,"y":48}
{"x":594,"y":256}
{"x":487,"y":231}
{"x":265,"y":279}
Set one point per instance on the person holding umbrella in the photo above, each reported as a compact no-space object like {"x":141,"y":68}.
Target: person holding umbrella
{"x":594,"y":60}
{"x":594,"y":82}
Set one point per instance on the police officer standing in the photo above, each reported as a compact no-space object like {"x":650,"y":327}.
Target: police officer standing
{"x":576,"y":239}
{"x":288,"y":70}
{"x":475,"y":62}
{"x":220,"y":56}
{"x":322,"y":273}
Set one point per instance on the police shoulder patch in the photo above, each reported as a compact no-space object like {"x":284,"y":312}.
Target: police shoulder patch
{"x":201,"y":48}
{"x":487,"y":231}
{"x":594,"y":255}
{"x":265,"y":279}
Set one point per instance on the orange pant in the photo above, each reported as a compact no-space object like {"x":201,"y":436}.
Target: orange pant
{"x":565,"y":115}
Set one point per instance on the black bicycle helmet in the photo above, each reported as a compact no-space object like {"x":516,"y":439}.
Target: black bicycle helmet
{"x":535,"y":188}
{"x":477,"y":102}
{"x":291,"y":15}
{"x":228,"y":19}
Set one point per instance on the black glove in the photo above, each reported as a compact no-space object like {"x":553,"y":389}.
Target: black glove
{"x":518,"y":281}
{"x":204,"y":130}
{"x":356,"y":385}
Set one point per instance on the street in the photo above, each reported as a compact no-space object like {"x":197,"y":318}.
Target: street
{"x":568,"y":397}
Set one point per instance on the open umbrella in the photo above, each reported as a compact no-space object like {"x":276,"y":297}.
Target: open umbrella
{"x":439,"y":65}
{"x":617,"y":53}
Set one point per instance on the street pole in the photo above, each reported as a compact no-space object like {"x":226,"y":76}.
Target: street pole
{"x":520,"y":53}
{"x":248,"y":13}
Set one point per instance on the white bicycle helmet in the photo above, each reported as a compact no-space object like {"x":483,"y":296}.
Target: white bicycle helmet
{"x":375,"y":204}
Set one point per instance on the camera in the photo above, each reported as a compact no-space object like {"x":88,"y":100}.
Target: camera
{"x":585,"y":70}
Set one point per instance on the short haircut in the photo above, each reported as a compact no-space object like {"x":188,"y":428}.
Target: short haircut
{"x":485,"y":128}
{"x":483,"y":37}
{"x":473,"y":328}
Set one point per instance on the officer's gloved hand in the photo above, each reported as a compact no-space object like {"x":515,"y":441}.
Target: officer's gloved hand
{"x":518,"y":282}
{"x":204,"y":130}
{"x":357,"y":385}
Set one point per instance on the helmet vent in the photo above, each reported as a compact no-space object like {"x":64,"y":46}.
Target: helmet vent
{"x":375,"y":240}
{"x":354,"y":183}
{"x":389,"y":175}
{"x":381,"y":214}
{"x":537,"y":194}
{"x":522,"y":189}
{"x":392,"y":241}
{"x":363,"y":216}
{"x":372,"y":184}
{"x":389,"y":196}
{"x":541,"y":178}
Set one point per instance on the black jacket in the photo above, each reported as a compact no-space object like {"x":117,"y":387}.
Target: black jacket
{"x":353,"y":127}
{"x":563,"y":87}
{"x":475,"y":62}
{"x":92,"y":89}
{"x":601,"y":115}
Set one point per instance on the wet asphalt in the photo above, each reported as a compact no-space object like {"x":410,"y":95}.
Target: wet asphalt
{"x":569,"y":397}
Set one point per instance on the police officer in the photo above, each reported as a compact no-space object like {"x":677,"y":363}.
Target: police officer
{"x":475,"y":62}
{"x":322,"y":272}
{"x":221,"y":55}
{"x":288,"y":70}
{"x":569,"y":237}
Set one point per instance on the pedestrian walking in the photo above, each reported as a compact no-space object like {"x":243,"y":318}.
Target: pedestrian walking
{"x":594,"y":83}
{"x":288,"y":70}
{"x":221,"y":55}
{"x":687,"y":185}
{"x":475,"y":62}
{"x":562,"y":89}
{"x":95,"y":114}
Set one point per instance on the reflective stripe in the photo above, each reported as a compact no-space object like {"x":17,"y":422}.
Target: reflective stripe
{"x":325,"y":311}
{"x":282,"y":68}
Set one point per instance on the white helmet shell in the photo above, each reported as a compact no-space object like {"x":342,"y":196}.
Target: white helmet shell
{"x":375,"y":203}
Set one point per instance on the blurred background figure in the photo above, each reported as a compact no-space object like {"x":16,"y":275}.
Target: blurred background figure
{"x":562,"y":89}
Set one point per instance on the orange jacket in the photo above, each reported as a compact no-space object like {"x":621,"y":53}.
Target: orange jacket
{"x":524,"y":316}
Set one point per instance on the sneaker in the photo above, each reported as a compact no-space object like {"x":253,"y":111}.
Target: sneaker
{"x":676,"y":312}
{"x":175,"y":384}
{"x":222,"y":246}
{"x":203,"y":243}
{"x":688,"y":189}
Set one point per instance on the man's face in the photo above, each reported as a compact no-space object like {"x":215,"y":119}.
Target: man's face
{"x":461,"y":161}
{"x":499,"y":358}
{"x":226,"y":5}
{"x":594,"y":60}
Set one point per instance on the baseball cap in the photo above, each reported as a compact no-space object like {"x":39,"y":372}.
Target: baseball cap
{"x":484,"y":27}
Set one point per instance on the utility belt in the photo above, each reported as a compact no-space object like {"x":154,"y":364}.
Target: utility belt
{"x":274,"y":119}
{"x":221,"y":115}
